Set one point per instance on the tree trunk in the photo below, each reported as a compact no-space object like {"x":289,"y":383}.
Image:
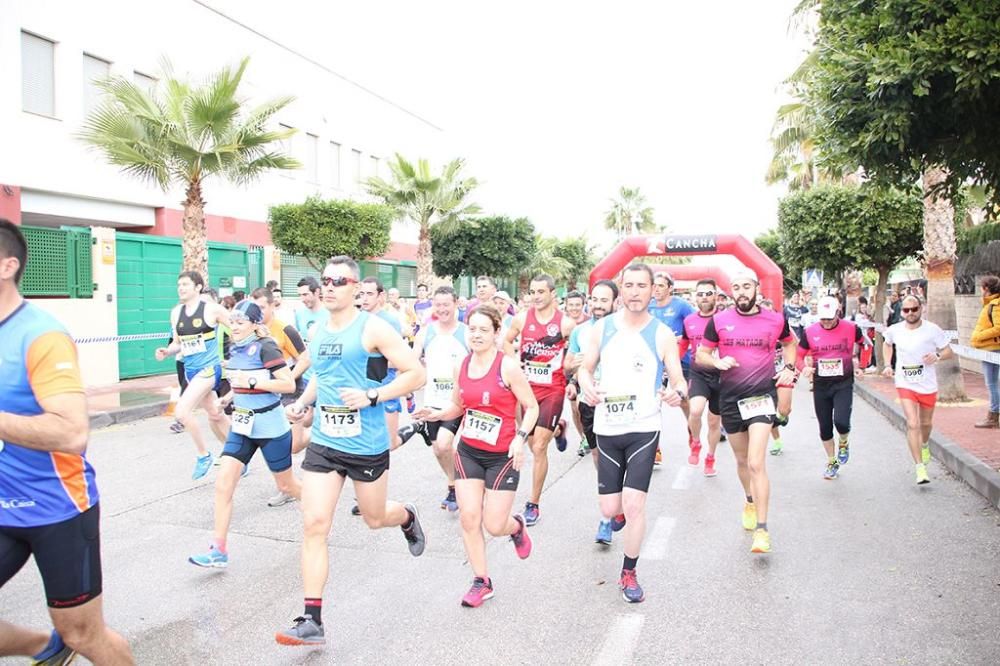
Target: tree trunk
{"x":939,"y":256}
{"x":425,"y":270}
{"x":195,"y":240}
{"x":877,"y":309}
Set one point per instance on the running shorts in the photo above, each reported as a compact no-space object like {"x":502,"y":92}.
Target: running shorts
{"x":433,"y":427}
{"x":324,"y":460}
{"x":277,"y":451}
{"x":925,"y":400}
{"x":702,"y":386}
{"x":496,"y":470}
{"x":550,"y":408}
{"x":625,"y":461}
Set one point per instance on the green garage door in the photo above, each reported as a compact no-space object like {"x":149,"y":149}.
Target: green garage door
{"x":147,"y":290}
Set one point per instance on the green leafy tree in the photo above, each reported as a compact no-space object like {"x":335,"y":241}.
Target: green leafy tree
{"x":580,"y":258}
{"x":769,"y":243}
{"x":837,"y":228}
{"x":629,"y":214}
{"x":418,"y":195}
{"x":544,"y":260}
{"x":496,"y":246}
{"x":182,"y":134}
{"x":318,"y":229}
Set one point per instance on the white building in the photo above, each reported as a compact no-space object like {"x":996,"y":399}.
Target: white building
{"x":52,"y":51}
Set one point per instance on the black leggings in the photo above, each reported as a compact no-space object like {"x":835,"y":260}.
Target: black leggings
{"x":833,"y":404}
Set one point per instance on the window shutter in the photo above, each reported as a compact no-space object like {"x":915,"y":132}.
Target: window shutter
{"x":38,"y":75}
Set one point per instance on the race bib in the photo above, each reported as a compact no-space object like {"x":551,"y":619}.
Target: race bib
{"x":441,"y":391}
{"x":912,"y":373}
{"x":830,"y":367}
{"x":760,"y":405}
{"x":481,"y":426}
{"x":192,"y":345}
{"x":779,"y":363}
{"x":538,"y":372}
{"x":339,"y":421}
{"x":619,"y":409}
{"x":243,"y":421}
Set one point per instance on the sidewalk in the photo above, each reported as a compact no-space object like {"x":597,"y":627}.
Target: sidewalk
{"x":129,"y":400}
{"x":973,"y":454}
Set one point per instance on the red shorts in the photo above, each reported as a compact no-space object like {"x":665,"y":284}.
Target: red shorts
{"x":925,"y":400}
{"x":550,"y":407}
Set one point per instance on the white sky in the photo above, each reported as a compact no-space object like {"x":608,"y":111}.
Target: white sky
{"x":555,"y":105}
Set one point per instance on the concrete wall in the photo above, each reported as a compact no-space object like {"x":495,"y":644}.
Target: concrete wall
{"x":967,"y":308}
{"x":92,"y":317}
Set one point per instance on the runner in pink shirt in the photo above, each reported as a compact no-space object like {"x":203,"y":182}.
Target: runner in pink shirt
{"x":745,"y":337}
{"x":827,"y":349}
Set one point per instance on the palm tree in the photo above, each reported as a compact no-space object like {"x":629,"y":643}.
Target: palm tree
{"x":184,"y":136}
{"x":629,"y":214}
{"x":544,"y":260}
{"x":939,"y":259}
{"x":417,"y":195}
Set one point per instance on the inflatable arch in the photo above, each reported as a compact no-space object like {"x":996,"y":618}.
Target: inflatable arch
{"x":752,"y":257}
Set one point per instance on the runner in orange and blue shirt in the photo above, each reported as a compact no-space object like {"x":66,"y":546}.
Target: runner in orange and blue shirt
{"x":48,"y":496}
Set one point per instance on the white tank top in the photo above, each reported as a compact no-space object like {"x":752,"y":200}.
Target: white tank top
{"x":443,"y":355}
{"x":631,"y":372}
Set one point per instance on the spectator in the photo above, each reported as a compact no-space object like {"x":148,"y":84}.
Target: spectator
{"x":239,"y":295}
{"x":228,"y":302}
{"x":793,"y":313}
{"x":986,"y":336}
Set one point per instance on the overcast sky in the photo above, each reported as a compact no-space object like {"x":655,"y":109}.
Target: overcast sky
{"x":555,"y":105}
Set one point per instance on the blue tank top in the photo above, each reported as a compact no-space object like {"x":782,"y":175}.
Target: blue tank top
{"x":259,"y":358}
{"x":397,"y":326}
{"x":340,"y":360}
{"x":199,"y":346}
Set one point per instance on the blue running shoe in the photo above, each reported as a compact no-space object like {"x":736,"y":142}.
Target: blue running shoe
{"x":832,"y":471}
{"x":843,"y":453}
{"x":530,"y":513}
{"x":603,"y":533}
{"x":56,"y":653}
{"x":246,"y":470}
{"x":631,"y":591}
{"x":201,"y":466}
{"x":450,"y":502}
{"x":618,"y":522}
{"x":561,"y":437}
{"x":214,"y":558}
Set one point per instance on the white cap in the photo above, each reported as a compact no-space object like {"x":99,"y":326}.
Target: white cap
{"x":743,"y":274}
{"x":827,"y":307}
{"x":504,"y":295}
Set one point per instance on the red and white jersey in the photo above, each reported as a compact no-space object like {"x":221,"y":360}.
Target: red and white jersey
{"x":542,"y":350}
{"x":490,"y":421}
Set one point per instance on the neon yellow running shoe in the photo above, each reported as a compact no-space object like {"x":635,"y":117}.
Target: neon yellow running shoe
{"x":761,"y":541}
{"x":749,"y":516}
{"x":925,"y":454}
{"x":922,"y":476}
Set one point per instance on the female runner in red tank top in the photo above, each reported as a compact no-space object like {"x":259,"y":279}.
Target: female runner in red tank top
{"x":488,"y":388}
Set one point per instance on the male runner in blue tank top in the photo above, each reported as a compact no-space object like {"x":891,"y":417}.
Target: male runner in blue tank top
{"x":350,"y":354}
{"x":195,"y":324}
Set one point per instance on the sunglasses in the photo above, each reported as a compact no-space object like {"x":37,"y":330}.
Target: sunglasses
{"x":909,"y":310}
{"x":702,"y":294}
{"x":337,"y":281}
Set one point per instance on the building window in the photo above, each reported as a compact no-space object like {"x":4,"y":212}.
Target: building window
{"x":94,"y":70}
{"x":285,"y":146}
{"x":312,"y":158}
{"x":335,"y":164}
{"x":38,"y":93}
{"x":356,"y":165}
{"x":145,"y":82}
{"x":375,"y":165}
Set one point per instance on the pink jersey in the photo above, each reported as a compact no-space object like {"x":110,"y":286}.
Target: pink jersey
{"x":694,"y":332}
{"x":832,"y":350}
{"x":750,"y":340}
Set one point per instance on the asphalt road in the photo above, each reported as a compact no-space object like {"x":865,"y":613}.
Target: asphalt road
{"x":867,"y":569}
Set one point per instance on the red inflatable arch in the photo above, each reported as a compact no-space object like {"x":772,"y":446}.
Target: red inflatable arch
{"x":695,"y":272}
{"x":635,"y":247}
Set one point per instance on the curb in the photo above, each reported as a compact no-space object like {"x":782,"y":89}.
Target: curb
{"x":977,"y":474}
{"x":127,"y":414}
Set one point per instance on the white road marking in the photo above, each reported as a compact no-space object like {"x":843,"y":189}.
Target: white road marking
{"x":685,"y":475}
{"x":620,"y":641}
{"x":655,"y":546}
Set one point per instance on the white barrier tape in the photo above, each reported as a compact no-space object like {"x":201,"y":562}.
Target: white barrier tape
{"x":880,"y":328}
{"x":121,"y":338}
{"x":976,"y":354}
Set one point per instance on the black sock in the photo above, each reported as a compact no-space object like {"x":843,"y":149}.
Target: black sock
{"x":451,"y":490}
{"x":409,"y":520}
{"x":629,"y":563}
{"x":749,"y":499}
{"x":762,"y":526}
{"x":314,"y":608}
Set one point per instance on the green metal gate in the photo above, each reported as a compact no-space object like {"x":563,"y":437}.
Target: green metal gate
{"x":147,"y":268}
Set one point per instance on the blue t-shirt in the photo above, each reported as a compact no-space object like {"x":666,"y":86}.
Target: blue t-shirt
{"x":260,"y":358}
{"x":308,"y":322}
{"x":672,"y":314}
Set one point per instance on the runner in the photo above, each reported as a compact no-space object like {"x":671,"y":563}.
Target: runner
{"x":793,"y":313}
{"x":575,"y":302}
{"x":422,"y":307}
{"x":196,"y":326}
{"x":920,"y":344}
{"x":308,"y":319}
{"x":704,"y":382}
{"x":443,"y":344}
{"x":487,"y":388}
{"x":49,"y":506}
{"x":828,"y":351}
{"x":486,"y":289}
{"x":672,"y":310}
{"x":745,"y":337}
{"x":602,"y":301}
{"x":282,"y":310}
{"x":372,"y":301}
{"x":632,"y":348}
{"x":543,"y":331}
{"x":349,"y":436}
{"x":785,"y":392}
{"x":258,"y":376}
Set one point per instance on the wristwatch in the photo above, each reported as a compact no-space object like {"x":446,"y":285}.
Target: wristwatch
{"x":790,"y":366}
{"x":372,"y":395}
{"x":522,"y":434}
{"x":252,"y":382}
